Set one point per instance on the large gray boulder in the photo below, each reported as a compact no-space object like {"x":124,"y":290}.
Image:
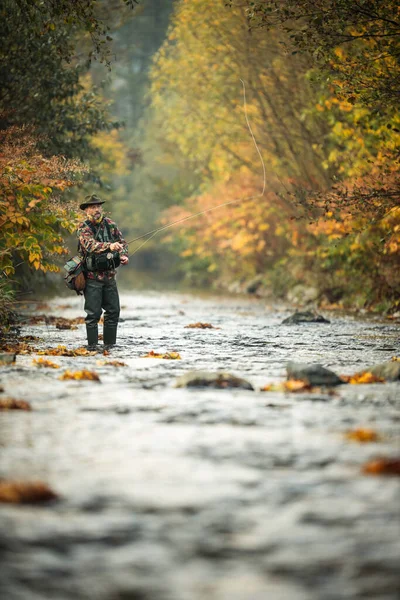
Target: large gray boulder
{"x":219,"y":380}
{"x":390,"y":370}
{"x":314,"y":375}
{"x":306,"y":316}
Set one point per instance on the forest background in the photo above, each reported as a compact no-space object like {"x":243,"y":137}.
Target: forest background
{"x":141,"y":102}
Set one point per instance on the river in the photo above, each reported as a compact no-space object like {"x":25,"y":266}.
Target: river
{"x":201,"y":494}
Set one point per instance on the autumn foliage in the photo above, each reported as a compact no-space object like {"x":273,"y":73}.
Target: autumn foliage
{"x":32,"y":218}
{"x":330,"y":216}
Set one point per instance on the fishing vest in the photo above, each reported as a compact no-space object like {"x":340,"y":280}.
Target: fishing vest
{"x":101,"y":261}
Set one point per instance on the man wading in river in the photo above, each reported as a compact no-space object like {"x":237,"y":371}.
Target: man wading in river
{"x":103,"y":248}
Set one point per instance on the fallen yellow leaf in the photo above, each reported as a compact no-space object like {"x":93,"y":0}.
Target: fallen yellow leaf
{"x":362,"y":435}
{"x":63,"y":351}
{"x":362,"y":377}
{"x":166,"y":355}
{"x":80,"y":375}
{"x":112,"y":363}
{"x":19,"y":492}
{"x":42,"y":362}
{"x":12,"y":404}
{"x":382,"y":466}
{"x":201,"y":326}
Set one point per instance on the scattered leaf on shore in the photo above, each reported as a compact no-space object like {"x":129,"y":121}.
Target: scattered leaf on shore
{"x":63,"y":351}
{"x":166,"y":355}
{"x":382,"y":466}
{"x":20,"y":492}
{"x":112,"y":363}
{"x":201,"y":326}
{"x":42,"y":362}
{"x":12,"y":404}
{"x":106,"y":353}
{"x":362,"y":377}
{"x":362,"y":435}
{"x":80,"y":375}
{"x":395,"y":359}
{"x":18,"y":348}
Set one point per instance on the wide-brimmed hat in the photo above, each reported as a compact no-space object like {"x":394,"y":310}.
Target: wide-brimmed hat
{"x":89,"y":200}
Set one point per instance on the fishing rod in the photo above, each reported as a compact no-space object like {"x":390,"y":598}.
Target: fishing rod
{"x":154,"y":232}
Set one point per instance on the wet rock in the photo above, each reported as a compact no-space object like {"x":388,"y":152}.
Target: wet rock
{"x":252,"y":286}
{"x":304,"y":317}
{"x":314,"y":375}
{"x":7,"y":358}
{"x":215,"y":380}
{"x":390,"y":370}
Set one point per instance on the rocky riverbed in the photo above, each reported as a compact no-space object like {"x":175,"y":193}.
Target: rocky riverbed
{"x":194,"y":494}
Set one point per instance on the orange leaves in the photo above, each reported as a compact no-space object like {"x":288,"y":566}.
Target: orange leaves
{"x":293,"y":385}
{"x":80,"y":375}
{"x":112,"y":363}
{"x":20,"y":492}
{"x":362,"y":435}
{"x":30,"y":215}
{"x":63,"y":351}
{"x":382,"y":466}
{"x":43,"y":363}
{"x":19,"y":348}
{"x":12,"y":404}
{"x":200,"y":326}
{"x":362,"y":377}
{"x":166,"y":355}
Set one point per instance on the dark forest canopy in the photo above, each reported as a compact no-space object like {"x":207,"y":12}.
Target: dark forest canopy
{"x":41,"y":70}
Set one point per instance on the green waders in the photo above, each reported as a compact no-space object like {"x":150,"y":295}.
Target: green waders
{"x":101,"y":295}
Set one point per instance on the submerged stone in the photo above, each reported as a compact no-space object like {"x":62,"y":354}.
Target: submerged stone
{"x":219,"y":380}
{"x":304,"y":317}
{"x":314,"y":375}
{"x":7,"y":358}
{"x":390,"y":370}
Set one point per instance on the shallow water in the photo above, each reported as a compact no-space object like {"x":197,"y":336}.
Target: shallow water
{"x":177,"y":494}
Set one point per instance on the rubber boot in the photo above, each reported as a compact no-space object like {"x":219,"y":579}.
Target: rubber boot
{"x":92,"y":334}
{"x":109,"y":336}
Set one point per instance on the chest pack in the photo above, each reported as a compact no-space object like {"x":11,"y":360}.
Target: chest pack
{"x":101,"y":261}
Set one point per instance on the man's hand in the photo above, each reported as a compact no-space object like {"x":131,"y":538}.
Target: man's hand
{"x":124,"y":260}
{"x":116,"y":246}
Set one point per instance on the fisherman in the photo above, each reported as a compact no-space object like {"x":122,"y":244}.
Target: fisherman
{"x":103,"y":248}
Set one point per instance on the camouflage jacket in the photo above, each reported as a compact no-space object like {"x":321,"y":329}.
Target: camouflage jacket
{"x":95,"y":238}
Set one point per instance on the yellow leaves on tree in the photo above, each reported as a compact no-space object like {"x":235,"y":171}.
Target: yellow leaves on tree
{"x":32,"y":218}
{"x":246,"y":237}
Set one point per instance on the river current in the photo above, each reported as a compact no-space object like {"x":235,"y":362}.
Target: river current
{"x":201,"y":494}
